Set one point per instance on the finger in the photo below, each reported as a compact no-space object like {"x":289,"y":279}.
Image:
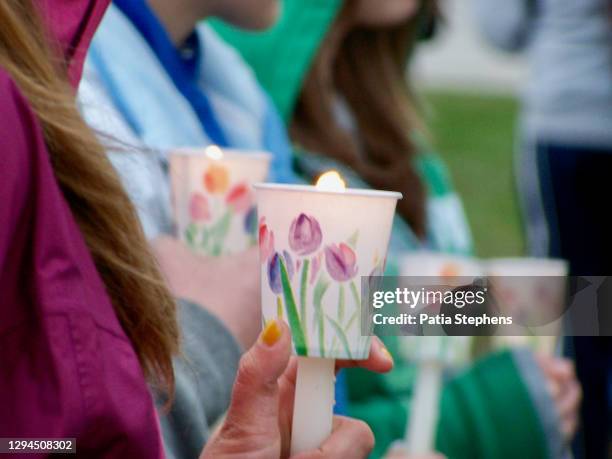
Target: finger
{"x":350,"y":438}
{"x":570,"y":401}
{"x":254,"y":404}
{"x":379,"y":360}
{"x":568,"y":410}
{"x":564,"y":369}
{"x":286,"y":385}
{"x":290,"y":375}
{"x":557,"y":367}
{"x":554,"y":389}
{"x":569,"y":428}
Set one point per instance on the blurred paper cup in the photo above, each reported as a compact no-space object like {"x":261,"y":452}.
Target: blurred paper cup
{"x":315,"y":245}
{"x":444,"y":267}
{"x":440,"y":272}
{"x":533,"y":292}
{"x":424,"y":269}
{"x":214,"y":203}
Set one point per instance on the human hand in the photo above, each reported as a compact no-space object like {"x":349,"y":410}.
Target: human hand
{"x":564,"y":389}
{"x":227,"y":286}
{"x":258,"y":423}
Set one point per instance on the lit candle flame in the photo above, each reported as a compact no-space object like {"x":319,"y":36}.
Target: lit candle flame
{"x":330,"y":181}
{"x":213,"y":152}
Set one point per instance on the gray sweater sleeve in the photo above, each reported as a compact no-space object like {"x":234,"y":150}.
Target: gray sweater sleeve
{"x":204,"y":380}
{"x":506,"y":24}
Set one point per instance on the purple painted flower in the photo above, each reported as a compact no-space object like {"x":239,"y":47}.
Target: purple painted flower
{"x":274,"y":271}
{"x":341,"y":262}
{"x":305,"y":235}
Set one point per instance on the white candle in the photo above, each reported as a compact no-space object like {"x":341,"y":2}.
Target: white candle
{"x":425,"y":410}
{"x":314,"y":402}
{"x":432,"y":353}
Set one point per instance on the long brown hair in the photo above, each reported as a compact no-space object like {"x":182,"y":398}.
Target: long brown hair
{"x":369,"y":71}
{"x":93,"y":190}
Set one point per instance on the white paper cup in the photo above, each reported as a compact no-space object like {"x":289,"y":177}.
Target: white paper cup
{"x":437,"y":271}
{"x":533,"y":290}
{"x":527,"y":266}
{"x":214,"y":203}
{"x":314,"y":248}
{"x":429,"y":269}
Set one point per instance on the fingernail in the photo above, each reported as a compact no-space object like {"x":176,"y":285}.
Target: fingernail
{"x":271,"y":333}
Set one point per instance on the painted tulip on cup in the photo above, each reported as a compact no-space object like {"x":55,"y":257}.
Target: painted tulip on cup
{"x":341,"y":262}
{"x":214,"y":203}
{"x":315,"y":245}
{"x":305,"y":235}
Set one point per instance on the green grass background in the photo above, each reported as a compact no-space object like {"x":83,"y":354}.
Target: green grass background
{"x":475,"y":135}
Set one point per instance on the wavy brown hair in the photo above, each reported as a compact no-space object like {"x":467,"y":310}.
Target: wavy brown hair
{"x":104,"y":213}
{"x":369,"y":72}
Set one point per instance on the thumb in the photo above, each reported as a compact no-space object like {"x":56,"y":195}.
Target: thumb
{"x":255,"y":397}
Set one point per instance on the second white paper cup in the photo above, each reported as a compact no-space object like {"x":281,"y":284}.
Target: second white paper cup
{"x":214,"y":203}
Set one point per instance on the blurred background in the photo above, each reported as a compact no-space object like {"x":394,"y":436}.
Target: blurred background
{"x":471,"y":101}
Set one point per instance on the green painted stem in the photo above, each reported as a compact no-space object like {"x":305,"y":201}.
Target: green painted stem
{"x":341,"y":336}
{"x":356,"y":296}
{"x":319,"y":292}
{"x":341,"y":304}
{"x":303,"y":294}
{"x":292,"y":314}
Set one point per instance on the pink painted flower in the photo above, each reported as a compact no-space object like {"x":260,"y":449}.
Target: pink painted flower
{"x":341,"y":262}
{"x":305,"y":235}
{"x":198,"y":207}
{"x":239,"y":197}
{"x":266,"y":241}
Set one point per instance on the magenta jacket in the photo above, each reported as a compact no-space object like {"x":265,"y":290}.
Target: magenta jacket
{"x":66,"y":367}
